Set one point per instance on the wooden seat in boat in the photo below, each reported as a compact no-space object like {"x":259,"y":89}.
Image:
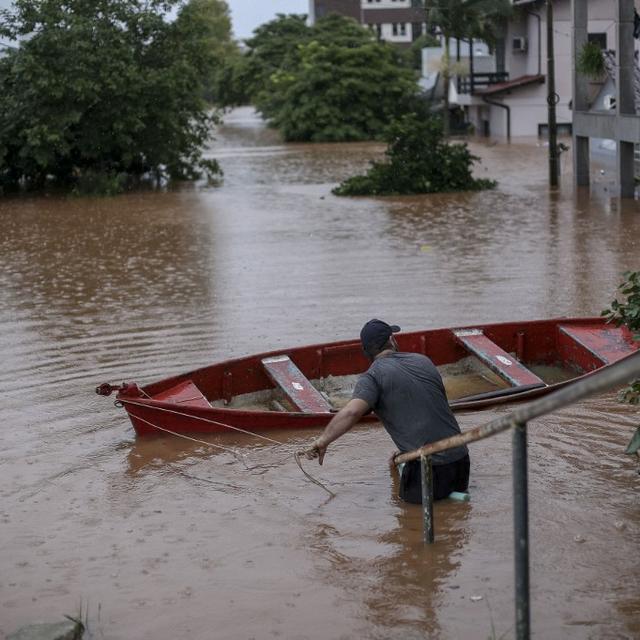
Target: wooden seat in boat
{"x":300,"y":392}
{"x":185,"y":393}
{"x":498,"y":360}
{"x":607,"y":343}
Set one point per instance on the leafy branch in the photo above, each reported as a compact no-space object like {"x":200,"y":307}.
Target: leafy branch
{"x":627,"y":312}
{"x":590,"y":60}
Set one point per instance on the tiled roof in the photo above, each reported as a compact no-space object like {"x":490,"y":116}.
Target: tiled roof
{"x":499,"y":87}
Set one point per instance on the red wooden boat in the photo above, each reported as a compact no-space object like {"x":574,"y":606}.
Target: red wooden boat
{"x":482,"y":366}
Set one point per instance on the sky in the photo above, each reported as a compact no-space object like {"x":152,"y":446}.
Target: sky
{"x":248,"y":14}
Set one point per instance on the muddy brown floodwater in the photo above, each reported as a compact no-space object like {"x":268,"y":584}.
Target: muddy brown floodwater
{"x":164,"y":538}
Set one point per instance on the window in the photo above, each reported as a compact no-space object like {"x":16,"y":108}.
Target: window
{"x":563,"y":129}
{"x":598,"y":38}
{"x":394,"y":28}
{"x":403,"y":28}
{"x":379,"y":30}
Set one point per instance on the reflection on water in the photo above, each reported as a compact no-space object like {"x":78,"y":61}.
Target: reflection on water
{"x":172,"y":536}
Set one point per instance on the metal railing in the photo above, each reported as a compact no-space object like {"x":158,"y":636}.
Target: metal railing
{"x":468,"y":83}
{"x":622,"y":371}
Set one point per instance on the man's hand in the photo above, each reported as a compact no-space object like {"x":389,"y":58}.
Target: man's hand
{"x":339,"y":425}
{"x":317,"y":450}
{"x":392,"y":458}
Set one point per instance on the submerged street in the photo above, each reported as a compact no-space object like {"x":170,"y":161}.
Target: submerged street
{"x":166,"y":538}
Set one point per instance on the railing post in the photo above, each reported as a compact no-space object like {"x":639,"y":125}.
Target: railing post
{"x":426,"y":476}
{"x":521,"y":530}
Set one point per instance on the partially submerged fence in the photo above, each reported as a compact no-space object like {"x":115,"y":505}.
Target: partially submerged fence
{"x":612,"y":376}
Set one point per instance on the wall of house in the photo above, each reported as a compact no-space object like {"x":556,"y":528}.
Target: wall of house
{"x":321,"y":8}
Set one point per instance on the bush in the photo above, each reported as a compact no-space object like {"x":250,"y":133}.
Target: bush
{"x":627,"y":312}
{"x":419,"y":161}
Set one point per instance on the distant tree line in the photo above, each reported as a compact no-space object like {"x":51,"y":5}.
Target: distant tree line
{"x":100,"y":95}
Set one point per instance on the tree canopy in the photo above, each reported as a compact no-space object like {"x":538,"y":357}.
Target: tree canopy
{"x":332,"y":81}
{"x":107,"y":90}
{"x":419,"y":160}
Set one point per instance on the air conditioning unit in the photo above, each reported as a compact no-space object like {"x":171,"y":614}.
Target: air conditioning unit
{"x":609,"y":102}
{"x":519,"y":44}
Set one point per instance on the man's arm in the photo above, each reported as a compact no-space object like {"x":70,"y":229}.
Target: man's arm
{"x":339,"y":425}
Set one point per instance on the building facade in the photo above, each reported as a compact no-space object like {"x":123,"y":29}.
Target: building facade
{"x":509,"y":98}
{"x":396,"y":21}
{"x":613,"y":115}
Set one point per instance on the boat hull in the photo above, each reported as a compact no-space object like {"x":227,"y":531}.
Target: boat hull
{"x":183,"y":404}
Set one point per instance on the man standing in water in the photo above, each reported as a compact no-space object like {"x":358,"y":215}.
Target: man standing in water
{"x":406,"y":392}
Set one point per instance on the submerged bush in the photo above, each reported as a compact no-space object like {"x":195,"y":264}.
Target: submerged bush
{"x":419,"y":160}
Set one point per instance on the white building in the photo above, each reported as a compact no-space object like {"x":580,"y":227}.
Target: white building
{"x":396,"y":21}
{"x":513,"y":98}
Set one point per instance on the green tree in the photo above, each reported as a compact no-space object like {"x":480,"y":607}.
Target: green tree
{"x":464,"y":19}
{"x":102,"y":91}
{"x":272,"y":48}
{"x":332,"y":82}
{"x":213,"y":21}
{"x":627,"y":312}
{"x":419,"y":160}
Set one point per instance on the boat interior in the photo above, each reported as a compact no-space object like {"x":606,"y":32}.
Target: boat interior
{"x":475,"y":363}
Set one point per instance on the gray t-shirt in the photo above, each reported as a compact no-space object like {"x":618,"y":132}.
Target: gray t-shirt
{"x":406,"y":392}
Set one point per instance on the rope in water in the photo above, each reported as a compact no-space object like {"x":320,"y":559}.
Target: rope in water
{"x":188,"y":415}
{"x":240,"y":457}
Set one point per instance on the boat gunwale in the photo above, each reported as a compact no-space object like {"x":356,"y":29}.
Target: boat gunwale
{"x":456,"y":405}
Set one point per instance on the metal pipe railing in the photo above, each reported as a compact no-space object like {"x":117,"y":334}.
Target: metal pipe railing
{"x":622,"y":371}
{"x":614,"y":375}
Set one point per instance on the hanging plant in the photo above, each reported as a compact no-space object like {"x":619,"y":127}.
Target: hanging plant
{"x":591,"y":61}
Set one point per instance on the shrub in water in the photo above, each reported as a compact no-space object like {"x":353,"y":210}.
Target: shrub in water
{"x":419,"y":160}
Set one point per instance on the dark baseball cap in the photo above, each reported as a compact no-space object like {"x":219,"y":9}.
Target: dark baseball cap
{"x":375,"y":334}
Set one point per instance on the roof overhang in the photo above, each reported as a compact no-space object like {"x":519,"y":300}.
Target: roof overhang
{"x":510,"y":85}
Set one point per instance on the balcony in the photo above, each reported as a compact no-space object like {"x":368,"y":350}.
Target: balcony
{"x":469,"y":84}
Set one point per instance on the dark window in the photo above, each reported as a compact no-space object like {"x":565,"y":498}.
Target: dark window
{"x":598,"y":38}
{"x":564,"y":129}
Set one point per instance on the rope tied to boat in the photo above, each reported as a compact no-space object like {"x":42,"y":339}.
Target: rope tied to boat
{"x":296,"y":453}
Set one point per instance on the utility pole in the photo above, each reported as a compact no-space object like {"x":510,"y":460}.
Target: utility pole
{"x":552,"y":101}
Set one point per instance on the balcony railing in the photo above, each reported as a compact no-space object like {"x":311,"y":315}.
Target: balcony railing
{"x":471,"y":82}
